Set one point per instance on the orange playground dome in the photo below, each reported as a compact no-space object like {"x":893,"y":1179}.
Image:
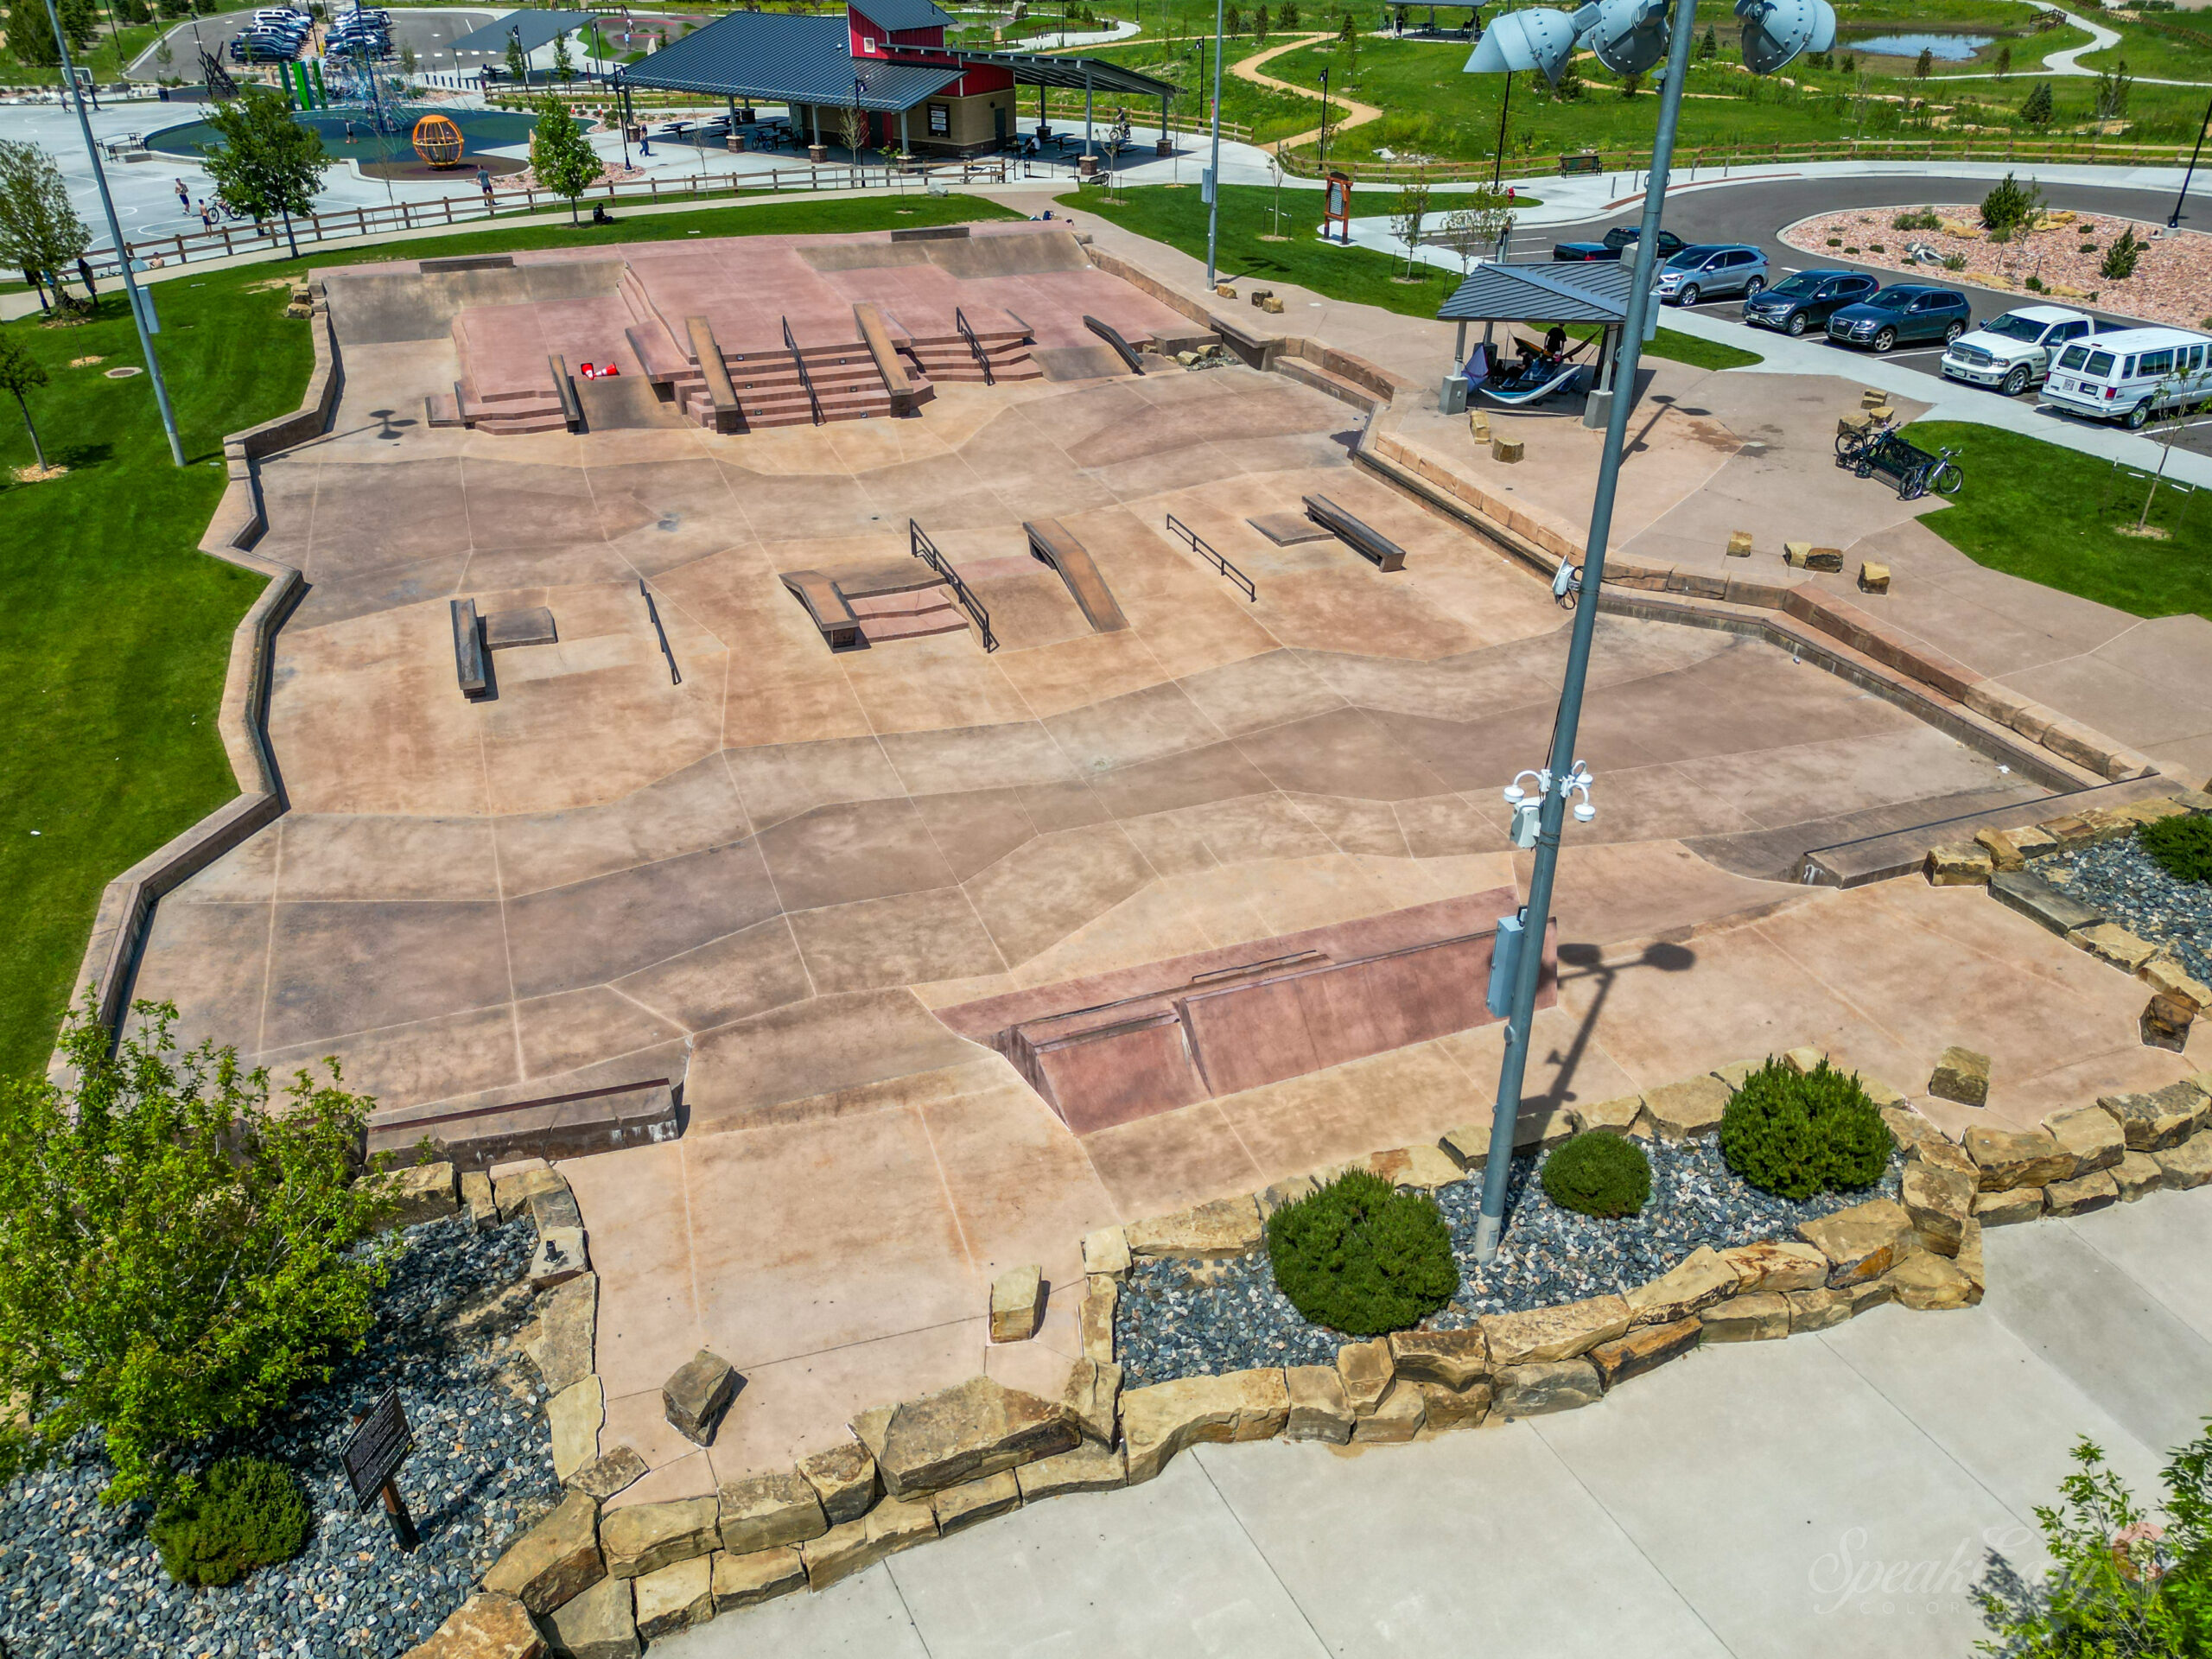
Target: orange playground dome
{"x":437,"y":141}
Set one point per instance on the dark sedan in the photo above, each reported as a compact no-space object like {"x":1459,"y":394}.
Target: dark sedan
{"x":1621,"y":237}
{"x":1807,"y":299}
{"x":1902,"y":312}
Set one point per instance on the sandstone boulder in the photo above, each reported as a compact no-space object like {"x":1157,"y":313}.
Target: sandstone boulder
{"x":963,"y":1433}
{"x":487,"y":1626}
{"x":1396,"y":1420}
{"x":1962,"y":1075}
{"x":1535,"y":1389}
{"x":1106,"y":1251}
{"x":2136,"y":1174}
{"x":1699,"y":1279}
{"x":568,"y":1329}
{"x":554,"y":1207}
{"x":1017,"y":1303}
{"x":747,"y":1580}
{"x":2089,"y":1135}
{"x":1095,"y":1318}
{"x":1366,"y":1368}
{"x":1958,"y":864}
{"x":1692,"y":1107}
{"x":1210,"y":1232}
{"x":554,"y":1562}
{"x":423,"y":1192}
{"x":1969,"y":1263}
{"x":2014,"y":1204}
{"x":2166,"y":1023}
{"x":1159,"y":1421}
{"x":1930,"y":1283}
{"x":960,"y":1507}
{"x":2010,"y":1158}
{"x":1088,"y":1468}
{"x":575,"y":1417}
{"x":598,"y":1624}
{"x":603,"y":1476}
{"x":1863,"y":1242}
{"x":1909,"y":1130}
{"x":1417,"y":1169}
{"x":694,"y":1397}
{"x":1543,"y":1335}
{"x":1318,"y":1407}
{"x":1091,"y":1398}
{"x":1445,"y":1409}
{"x":1867,"y":1293}
{"x":1454,"y":1359}
{"x":2167,"y":976}
{"x":645,"y":1537}
{"x":2152,"y":1122}
{"x":511,"y":1193}
{"x":476,"y":1197}
{"x":762,"y":1511}
{"x":1940,"y":1202}
{"x":844,"y":1478}
{"x":1772,"y":1265}
{"x":2081,"y":1195}
{"x":675,"y":1597}
{"x":2109,"y":941}
{"x":560,"y":1256}
{"x":1644,"y":1349}
{"x":1761,"y":1316}
{"x":1817,"y":1309}
{"x":896,"y":1523}
{"x":2188,"y":1163}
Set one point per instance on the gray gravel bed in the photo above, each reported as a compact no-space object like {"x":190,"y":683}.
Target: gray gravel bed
{"x":82,"y":1579}
{"x":1172,"y":1321}
{"x":2119,"y":878}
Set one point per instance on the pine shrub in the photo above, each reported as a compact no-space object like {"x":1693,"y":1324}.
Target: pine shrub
{"x":1598,"y":1175}
{"x":1361,"y":1258}
{"x":2182,"y":846}
{"x":1797,"y":1134}
{"x":246,"y":1512}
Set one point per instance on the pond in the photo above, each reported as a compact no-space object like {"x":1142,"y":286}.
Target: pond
{"x":1944,"y":48}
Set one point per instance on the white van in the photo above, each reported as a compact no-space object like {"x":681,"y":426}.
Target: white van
{"x":2132,"y":374}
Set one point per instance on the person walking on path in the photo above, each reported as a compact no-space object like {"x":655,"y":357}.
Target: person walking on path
{"x":183,"y":196}
{"x":483,"y":183}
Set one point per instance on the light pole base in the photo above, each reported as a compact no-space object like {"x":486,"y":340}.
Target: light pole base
{"x":1488,"y":1228}
{"x":1598,"y":410}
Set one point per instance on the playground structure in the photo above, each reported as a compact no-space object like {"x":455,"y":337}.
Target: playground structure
{"x":437,"y":141}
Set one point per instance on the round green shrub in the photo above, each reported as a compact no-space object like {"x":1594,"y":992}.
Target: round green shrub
{"x":1361,"y":1258}
{"x":244,"y":1513}
{"x":1598,"y":1175}
{"x":2182,"y":846}
{"x":1796,"y":1133}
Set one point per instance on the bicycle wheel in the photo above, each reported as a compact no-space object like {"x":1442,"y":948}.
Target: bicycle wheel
{"x":1848,"y":445}
{"x":1863,"y":467}
{"x":1913,"y":485}
{"x":1948,"y":480}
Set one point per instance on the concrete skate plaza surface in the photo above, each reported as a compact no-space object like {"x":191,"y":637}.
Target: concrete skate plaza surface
{"x":762,"y":880}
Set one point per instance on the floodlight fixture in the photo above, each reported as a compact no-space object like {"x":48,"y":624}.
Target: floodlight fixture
{"x":1539,"y":39}
{"x":1630,"y":35}
{"x":1776,"y":31}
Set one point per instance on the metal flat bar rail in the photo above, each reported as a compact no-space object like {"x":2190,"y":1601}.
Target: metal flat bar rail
{"x":804,"y":379}
{"x":976,"y":346}
{"x":1199,"y":546}
{"x":660,"y":633}
{"x":1112,"y":336}
{"x":920,"y":545}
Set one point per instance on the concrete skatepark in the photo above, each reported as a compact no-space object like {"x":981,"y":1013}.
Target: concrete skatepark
{"x":763,"y":869}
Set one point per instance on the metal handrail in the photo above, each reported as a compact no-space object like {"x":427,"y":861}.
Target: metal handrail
{"x":982,"y":357}
{"x":1176,"y":526}
{"x":926,"y":549}
{"x":804,"y":379}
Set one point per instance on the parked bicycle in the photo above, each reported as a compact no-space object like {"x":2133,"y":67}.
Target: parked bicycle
{"x":1912,"y":469}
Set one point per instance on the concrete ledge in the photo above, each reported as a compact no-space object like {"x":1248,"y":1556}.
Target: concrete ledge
{"x":475,"y":1132}
{"x":1877,"y":858}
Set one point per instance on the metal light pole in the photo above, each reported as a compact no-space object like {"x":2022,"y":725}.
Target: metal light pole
{"x":1498,"y":173}
{"x":2173,"y":222}
{"x":1553,"y":811}
{"x":121,"y":248}
{"x":1321,"y":150}
{"x":1213,"y":167}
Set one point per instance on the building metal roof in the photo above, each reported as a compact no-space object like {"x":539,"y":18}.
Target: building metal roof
{"x":1040,"y":69}
{"x":903,"y":15}
{"x":538,"y":29}
{"x":784,"y":57}
{"x":1595,"y":290}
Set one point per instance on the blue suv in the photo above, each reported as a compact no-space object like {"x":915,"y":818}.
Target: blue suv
{"x":1807,"y":299}
{"x":1902,"y":312}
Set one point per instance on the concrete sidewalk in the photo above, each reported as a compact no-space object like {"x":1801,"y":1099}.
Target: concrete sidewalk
{"x":1832,"y":1495}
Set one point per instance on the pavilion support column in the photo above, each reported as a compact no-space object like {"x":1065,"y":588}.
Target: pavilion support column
{"x":1086,"y":113}
{"x":905,"y":145}
{"x":1460,"y":351}
{"x":1043,"y":125}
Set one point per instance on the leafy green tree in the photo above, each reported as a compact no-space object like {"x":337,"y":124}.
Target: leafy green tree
{"x":177,"y":1256}
{"x":39,"y":227}
{"x":2121,"y":259}
{"x":30,"y":34}
{"x":1286,"y":18}
{"x":2010,"y":206}
{"x":1710,"y":46}
{"x":2111,"y":93}
{"x":564,"y":65}
{"x":1407,"y":216}
{"x":517,"y":60}
{"x":2004,"y":61}
{"x":1924,"y":65}
{"x":561,"y":155}
{"x":269,"y":165}
{"x":20,"y":375}
{"x":1349,"y":35}
{"x":407,"y":61}
{"x":2039,"y":107}
{"x":1260,"y":27}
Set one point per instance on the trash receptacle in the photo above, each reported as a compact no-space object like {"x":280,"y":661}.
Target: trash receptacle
{"x":1451,"y":399}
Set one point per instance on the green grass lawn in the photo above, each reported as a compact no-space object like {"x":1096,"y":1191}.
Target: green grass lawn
{"x":117,"y":632}
{"x":1179,"y":218}
{"x":2055,"y":517}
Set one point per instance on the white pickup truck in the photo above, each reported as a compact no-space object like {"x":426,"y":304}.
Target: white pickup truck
{"x":2014,"y":351}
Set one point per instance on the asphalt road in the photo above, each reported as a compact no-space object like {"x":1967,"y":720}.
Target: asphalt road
{"x":1754,"y":213}
{"x":429,"y":32}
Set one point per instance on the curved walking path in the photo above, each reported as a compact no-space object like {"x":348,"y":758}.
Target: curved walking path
{"x":2069,"y":62}
{"x":1248,"y":69}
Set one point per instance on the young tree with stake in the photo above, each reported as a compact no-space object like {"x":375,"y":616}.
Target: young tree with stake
{"x":1406,"y":217}
{"x":270,"y":166}
{"x":561,"y":155}
{"x":21,"y":374}
{"x":39,"y":229}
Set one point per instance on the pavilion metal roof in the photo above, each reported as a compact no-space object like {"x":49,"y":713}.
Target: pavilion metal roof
{"x":537,"y":28}
{"x":1042,"y":69}
{"x":1594,"y":290}
{"x":902,"y":15}
{"x":784,"y":57}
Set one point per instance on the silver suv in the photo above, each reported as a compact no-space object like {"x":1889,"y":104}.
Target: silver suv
{"x":1709,"y":270}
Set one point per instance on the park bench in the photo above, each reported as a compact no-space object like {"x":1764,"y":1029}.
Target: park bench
{"x":1912,"y":469}
{"x":1367,"y":543}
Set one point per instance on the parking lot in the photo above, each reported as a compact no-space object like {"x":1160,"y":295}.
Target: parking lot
{"x":431,"y":33}
{"x":1752,"y":214}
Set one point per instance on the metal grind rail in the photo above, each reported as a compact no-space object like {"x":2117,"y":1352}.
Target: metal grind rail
{"x":1199,"y":546}
{"x":806,"y":380}
{"x":660,"y":633}
{"x":920,"y":545}
{"x":968,"y":334}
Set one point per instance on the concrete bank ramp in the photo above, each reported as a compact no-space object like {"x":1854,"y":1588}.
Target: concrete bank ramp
{"x":383,"y":307}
